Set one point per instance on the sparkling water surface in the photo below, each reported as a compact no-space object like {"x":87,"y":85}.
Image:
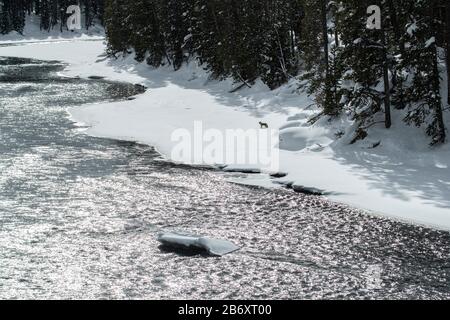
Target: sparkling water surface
{"x":79,"y":218}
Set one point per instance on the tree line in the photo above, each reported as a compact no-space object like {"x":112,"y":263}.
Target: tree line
{"x":52,"y":13}
{"x":243,"y":39}
{"x":348,"y":67}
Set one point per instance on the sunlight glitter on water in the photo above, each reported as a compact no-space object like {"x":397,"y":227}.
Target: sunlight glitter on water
{"x":79,"y":218}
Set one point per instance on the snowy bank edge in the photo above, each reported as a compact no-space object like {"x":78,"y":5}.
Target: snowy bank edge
{"x":426,"y":218}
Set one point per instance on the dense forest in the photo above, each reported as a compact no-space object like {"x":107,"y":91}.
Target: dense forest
{"x":365,"y":73}
{"x":349,"y":67}
{"x":52,"y":13}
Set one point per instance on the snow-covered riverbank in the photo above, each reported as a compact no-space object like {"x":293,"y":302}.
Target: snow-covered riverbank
{"x":403,"y":179}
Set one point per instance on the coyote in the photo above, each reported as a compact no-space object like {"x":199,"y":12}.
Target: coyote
{"x":264,"y":125}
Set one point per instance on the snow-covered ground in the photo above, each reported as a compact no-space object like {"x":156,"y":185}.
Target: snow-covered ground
{"x":402,"y":178}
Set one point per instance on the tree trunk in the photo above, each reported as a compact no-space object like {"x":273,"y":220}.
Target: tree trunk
{"x":325,"y":38}
{"x":438,"y":109}
{"x":447,"y":47}
{"x":387,"y":87}
{"x":396,"y":82}
{"x":329,"y":103}
{"x":395,"y":25}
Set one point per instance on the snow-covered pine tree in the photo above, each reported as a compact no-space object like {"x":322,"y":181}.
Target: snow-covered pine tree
{"x":421,"y":61}
{"x":62,"y":14}
{"x":157,"y":49}
{"x":89,"y":12}
{"x":12,"y":16}
{"x":366,"y":57}
{"x":280,"y":41}
{"x":117,"y":31}
{"x":51,"y":13}
{"x":320,"y":53}
{"x":44,"y":12}
{"x":176,"y":29}
{"x":447,"y":46}
{"x":208,"y":36}
{"x":5,"y":24}
{"x":136,"y":27}
{"x":54,"y":12}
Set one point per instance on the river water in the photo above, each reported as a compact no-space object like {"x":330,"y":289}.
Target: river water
{"x":79,"y":218}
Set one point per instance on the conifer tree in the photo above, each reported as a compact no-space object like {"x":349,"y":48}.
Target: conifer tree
{"x":421,"y":61}
{"x":117,"y":32}
{"x":5,"y":22}
{"x":51,"y":12}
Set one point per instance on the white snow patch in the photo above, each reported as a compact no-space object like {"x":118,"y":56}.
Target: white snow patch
{"x":430,"y":42}
{"x":412,"y":28}
{"x":216,"y":247}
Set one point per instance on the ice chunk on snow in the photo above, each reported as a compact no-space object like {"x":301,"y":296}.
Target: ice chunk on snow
{"x":214,"y":247}
{"x":412,"y":29}
{"x":430,"y":41}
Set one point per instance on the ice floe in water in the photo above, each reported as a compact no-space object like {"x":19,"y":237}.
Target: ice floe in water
{"x":216,"y":247}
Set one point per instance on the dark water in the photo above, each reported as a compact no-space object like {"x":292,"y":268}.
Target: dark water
{"x":79,"y":217}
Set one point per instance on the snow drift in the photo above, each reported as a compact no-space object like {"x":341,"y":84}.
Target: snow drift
{"x":215,"y":247}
